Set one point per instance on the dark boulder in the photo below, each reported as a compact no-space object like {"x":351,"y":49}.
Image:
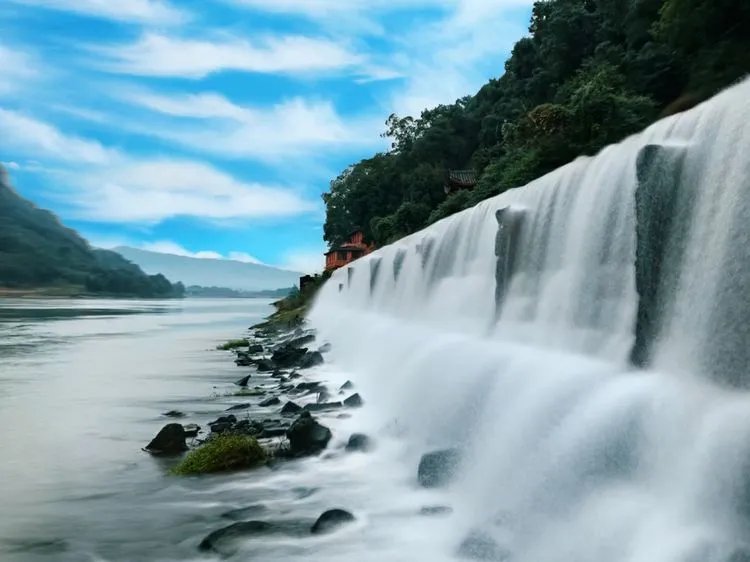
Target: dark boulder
{"x":290,"y":408}
{"x":192,"y":429}
{"x":270,"y":402}
{"x":222,"y":424}
{"x":222,"y":541}
{"x":169,"y":441}
{"x":301,"y":341}
{"x":359,"y":442}
{"x":245,"y":512}
{"x":437,"y":469}
{"x":173,"y":414}
{"x":294,"y":375}
{"x":312,"y":359}
{"x":436,"y":510}
{"x":255,"y":348}
{"x":247,"y":427}
{"x":265,"y":366}
{"x":288,"y":356}
{"x":331,"y":520}
{"x":481,"y":546}
{"x":274,"y":431}
{"x":354,"y":401}
{"x":348,"y":385}
{"x":306,"y":436}
{"x":325,"y":348}
{"x":309,"y":386}
{"x":243,"y":406}
{"x":244,"y":360}
{"x":321,"y":407}
{"x":243,"y":381}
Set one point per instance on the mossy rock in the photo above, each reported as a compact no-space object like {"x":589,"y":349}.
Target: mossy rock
{"x":234,"y":344}
{"x":222,"y":453}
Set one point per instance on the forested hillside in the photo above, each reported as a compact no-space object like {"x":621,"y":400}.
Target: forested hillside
{"x":37,"y":251}
{"x":589,"y":73}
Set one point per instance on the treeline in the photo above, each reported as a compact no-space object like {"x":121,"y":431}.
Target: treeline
{"x":37,"y":251}
{"x":590,"y":73}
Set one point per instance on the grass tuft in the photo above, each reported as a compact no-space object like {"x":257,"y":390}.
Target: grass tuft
{"x":222,"y":453}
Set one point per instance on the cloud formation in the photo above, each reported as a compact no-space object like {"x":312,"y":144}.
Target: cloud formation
{"x":135,"y":11}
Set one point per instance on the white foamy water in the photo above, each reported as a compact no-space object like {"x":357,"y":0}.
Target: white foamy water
{"x":569,"y":452}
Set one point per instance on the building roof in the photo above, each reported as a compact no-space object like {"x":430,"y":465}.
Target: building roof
{"x":346,"y":247}
{"x":462,"y":178}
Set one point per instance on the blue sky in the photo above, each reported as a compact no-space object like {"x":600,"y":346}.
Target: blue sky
{"x":211,"y":127}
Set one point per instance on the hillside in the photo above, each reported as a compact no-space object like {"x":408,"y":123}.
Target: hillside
{"x":236,"y":275}
{"x":38,"y":252}
{"x":589,"y":73}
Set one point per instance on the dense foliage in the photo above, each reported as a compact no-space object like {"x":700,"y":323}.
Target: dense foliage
{"x":37,"y":251}
{"x":590,"y":73}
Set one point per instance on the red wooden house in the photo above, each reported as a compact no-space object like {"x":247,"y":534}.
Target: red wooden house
{"x":343,"y":254}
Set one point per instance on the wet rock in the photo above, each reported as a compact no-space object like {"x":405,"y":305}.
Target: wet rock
{"x":331,"y":520}
{"x":301,"y":341}
{"x":247,"y":427}
{"x":354,"y":401}
{"x":277,"y":374}
{"x":288,"y":356}
{"x":243,"y":406}
{"x":222,"y":541}
{"x":222,"y":424}
{"x":274,"y":431}
{"x":306,"y":436}
{"x":436,"y":510}
{"x":359,"y":442}
{"x":438,"y":468}
{"x":265,"y":366}
{"x":244,"y":512}
{"x":270,"y":402}
{"x":255,"y":348}
{"x":481,"y":546}
{"x":303,"y":492}
{"x":312,"y":359}
{"x":309,"y":386}
{"x":294,"y":375}
{"x":321,"y":407}
{"x":243,"y":381}
{"x":325,"y":348}
{"x":169,"y":441}
{"x":191,"y":429}
{"x":348,"y":385}
{"x":290,"y":408}
{"x":244,"y":360}
{"x":173,"y":414}
{"x":344,"y":416}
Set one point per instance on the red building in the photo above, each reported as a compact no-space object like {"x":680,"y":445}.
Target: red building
{"x":345,"y":253}
{"x":457,"y":180}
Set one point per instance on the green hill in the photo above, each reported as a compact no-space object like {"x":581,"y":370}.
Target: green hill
{"x":38,"y":252}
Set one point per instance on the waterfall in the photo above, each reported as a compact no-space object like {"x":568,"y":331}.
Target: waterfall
{"x":584,"y":341}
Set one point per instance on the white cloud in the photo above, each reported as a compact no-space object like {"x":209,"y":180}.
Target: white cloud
{"x":11,"y":165}
{"x":17,"y":68}
{"x":161,"y":55}
{"x":136,"y":11}
{"x":244,"y":257}
{"x":169,"y":247}
{"x":37,"y":138}
{"x":291,"y":127}
{"x":305,"y":261}
{"x":154,"y":190}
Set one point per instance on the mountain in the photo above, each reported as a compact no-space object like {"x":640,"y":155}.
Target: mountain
{"x":38,"y":252}
{"x":235,"y":275}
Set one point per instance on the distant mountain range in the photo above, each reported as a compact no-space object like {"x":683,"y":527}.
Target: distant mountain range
{"x":240,"y":276}
{"x":38,"y":254}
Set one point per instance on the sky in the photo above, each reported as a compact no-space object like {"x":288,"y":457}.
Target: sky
{"x":211,"y":128}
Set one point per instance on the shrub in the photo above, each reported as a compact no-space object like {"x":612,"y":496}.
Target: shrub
{"x":222,"y":453}
{"x":234,"y":344}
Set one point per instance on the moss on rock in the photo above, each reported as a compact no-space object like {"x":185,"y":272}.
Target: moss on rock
{"x":234,"y":344}
{"x":222,"y":453}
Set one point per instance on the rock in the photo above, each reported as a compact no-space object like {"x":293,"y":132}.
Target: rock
{"x":331,"y":520}
{"x":436,"y":510}
{"x":277,"y":374}
{"x":359,"y":442}
{"x":173,"y":414}
{"x":437,"y":469}
{"x":244,"y":512}
{"x":348,"y":385}
{"x":300,"y":341}
{"x":220,"y":541}
{"x":481,"y":546}
{"x":354,"y":401}
{"x":191,"y":429}
{"x":270,"y":402}
{"x":265,"y":366}
{"x":306,"y":436}
{"x":312,"y":359}
{"x":243,"y":381}
{"x":322,"y":396}
{"x":244,"y":360}
{"x":248,"y":427}
{"x":169,"y":441}
{"x":294,"y":375}
{"x":255,"y":348}
{"x":309,"y":386}
{"x":324,"y":406}
{"x":243,"y":406}
{"x":288,"y":356}
{"x":325,"y":348}
{"x":222,"y":424}
{"x":290,"y":408}
{"x":274,"y":431}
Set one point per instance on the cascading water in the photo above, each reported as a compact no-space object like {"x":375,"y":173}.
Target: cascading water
{"x":516,"y":331}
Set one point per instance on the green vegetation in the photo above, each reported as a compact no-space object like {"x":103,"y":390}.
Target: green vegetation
{"x":38,"y":252}
{"x":220,"y":454}
{"x":197,"y":291}
{"x":590,"y":73}
{"x":291,"y":310}
{"x":233,"y":344}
